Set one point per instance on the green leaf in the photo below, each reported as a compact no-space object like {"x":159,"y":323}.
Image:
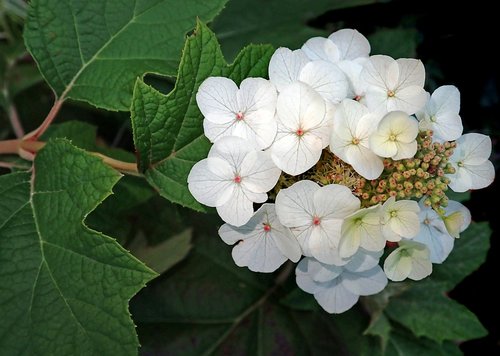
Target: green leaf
{"x":94,"y":50}
{"x":168,"y":129}
{"x":279,"y":22}
{"x":395,"y":42}
{"x":427,"y":311}
{"x":164,"y":255}
{"x":403,"y":343}
{"x":468,"y":254}
{"x":299,"y":300}
{"x":207,"y":305}
{"x":65,"y":287}
{"x":81,"y":134}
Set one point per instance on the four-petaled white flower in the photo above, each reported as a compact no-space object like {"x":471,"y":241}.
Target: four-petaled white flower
{"x":232,"y":178}
{"x":410,"y":260}
{"x":353,"y":126}
{"x":395,"y":136}
{"x":342,"y":45}
{"x":247,"y":112}
{"x":287,"y":67}
{"x":473,"y":170}
{"x":336,"y":288}
{"x":394,"y":85}
{"x":441,"y":114}
{"x":433,"y":233}
{"x":262,"y":244}
{"x":362,"y":229}
{"x":304,"y":126}
{"x":400,"y":219}
{"x":315,"y":215}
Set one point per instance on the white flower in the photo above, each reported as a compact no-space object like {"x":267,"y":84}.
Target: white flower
{"x":400,"y":219}
{"x":315,"y":215}
{"x":346,"y":44}
{"x":441,"y":114}
{"x":395,"y":136}
{"x":247,"y":112}
{"x":304,"y":125}
{"x":353,"y":125}
{"x":409,"y":260}
{"x":457,"y":218}
{"x":287,"y":67}
{"x":357,"y":86}
{"x":473,"y":170}
{"x":232,"y":178}
{"x":263,"y":244}
{"x":433,"y":234}
{"x":335,"y":288}
{"x":394,"y":84}
{"x":362,"y":229}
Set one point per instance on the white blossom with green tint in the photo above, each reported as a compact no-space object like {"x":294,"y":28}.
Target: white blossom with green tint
{"x":410,"y":260}
{"x":400,"y":219}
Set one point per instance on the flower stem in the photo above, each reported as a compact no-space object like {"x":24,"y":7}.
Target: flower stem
{"x":34,"y":135}
{"x":15,"y":146}
{"x":14,"y":120}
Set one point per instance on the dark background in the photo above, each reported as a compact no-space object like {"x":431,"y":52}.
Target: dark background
{"x":456,"y":43}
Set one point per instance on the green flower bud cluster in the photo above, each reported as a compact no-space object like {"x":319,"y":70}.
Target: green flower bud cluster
{"x":417,"y":177}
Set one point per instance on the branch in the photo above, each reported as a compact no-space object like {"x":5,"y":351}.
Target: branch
{"x":20,"y":146}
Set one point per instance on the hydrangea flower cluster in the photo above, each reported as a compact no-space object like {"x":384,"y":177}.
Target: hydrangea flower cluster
{"x":351,"y":158}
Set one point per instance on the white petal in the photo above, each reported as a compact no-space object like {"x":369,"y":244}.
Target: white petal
{"x":411,"y":72}
{"x":454,"y":207}
{"x":232,"y":150}
{"x":216,"y":98}
{"x":285,"y":66}
{"x":376,"y":99}
{"x":237,"y":210}
{"x":476,"y":148}
{"x":363,"y":228}
{"x":321,"y":48}
{"x":351,"y":44}
{"x":336,"y":298}
{"x":260,"y":254}
{"x":295,"y":205}
{"x":482,"y":175}
{"x":382,"y":146}
{"x":445,"y":99}
{"x":382,"y":72}
{"x":318,"y":271}
{"x":257,"y":94}
{"x":352,"y":70}
{"x":405,"y":150}
{"x":283,"y":238}
{"x":350,"y":240}
{"x":397,"y":266}
{"x":366,"y":282}
{"x":304,"y":277}
{"x":364,"y":161}
{"x":334,"y":201}
{"x":327,"y":79}
{"x":258,"y":172}
{"x":401,"y":125}
{"x":300,"y":107}
{"x":461,"y":180}
{"x":421,"y":267}
{"x":324,"y":240}
{"x":295,"y":155}
{"x":406,"y":224}
{"x":210,"y":181}
{"x":440,"y":244}
{"x":363,"y":260}
{"x":409,"y":99}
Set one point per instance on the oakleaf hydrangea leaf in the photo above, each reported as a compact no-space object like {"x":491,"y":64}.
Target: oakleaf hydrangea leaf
{"x":168,"y":129}
{"x":64,"y":288}
{"x":94,"y":50}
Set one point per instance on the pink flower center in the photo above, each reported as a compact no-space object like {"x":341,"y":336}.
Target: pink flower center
{"x":299,"y":132}
{"x":267,"y":227}
{"x":316,"y":221}
{"x":237,"y":179}
{"x":239,"y":116}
